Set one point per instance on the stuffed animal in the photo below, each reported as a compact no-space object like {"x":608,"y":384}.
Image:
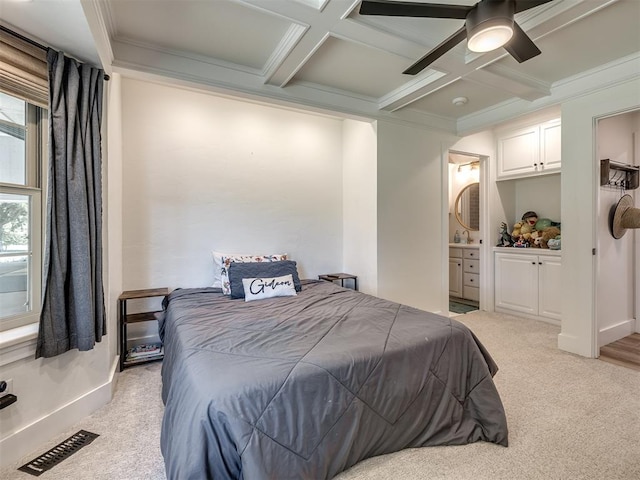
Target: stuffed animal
{"x":515,"y":233}
{"x":526,"y":230}
{"x":555,"y":243}
{"x":543,"y":223}
{"x":542,"y":237}
{"x":530,"y":219}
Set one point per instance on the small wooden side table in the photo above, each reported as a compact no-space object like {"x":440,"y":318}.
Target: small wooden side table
{"x":124,"y":319}
{"x":341,"y":277}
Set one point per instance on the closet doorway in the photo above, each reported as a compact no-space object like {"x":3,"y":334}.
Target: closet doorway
{"x":465,"y":232}
{"x":618,"y":248}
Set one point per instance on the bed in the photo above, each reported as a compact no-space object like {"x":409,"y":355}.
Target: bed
{"x":303,"y":387}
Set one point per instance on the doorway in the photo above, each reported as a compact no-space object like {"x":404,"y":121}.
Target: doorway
{"x":618,"y":251}
{"x":465,"y":232}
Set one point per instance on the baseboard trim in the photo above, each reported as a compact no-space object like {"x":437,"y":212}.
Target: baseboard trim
{"x":573,"y":344}
{"x":515,"y":313}
{"x":616,"y":332}
{"x":36,"y":436}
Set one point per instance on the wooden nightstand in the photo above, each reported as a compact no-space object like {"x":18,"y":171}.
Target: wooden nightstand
{"x":340,"y":277}
{"x":124,"y":319}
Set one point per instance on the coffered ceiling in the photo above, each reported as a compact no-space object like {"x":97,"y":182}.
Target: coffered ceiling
{"x":324,"y":55}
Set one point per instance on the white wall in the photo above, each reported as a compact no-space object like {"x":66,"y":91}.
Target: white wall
{"x":617,"y":264}
{"x":579,"y":212}
{"x":412,"y":169}
{"x":540,"y":194}
{"x":359,"y":153}
{"x":204,"y":173}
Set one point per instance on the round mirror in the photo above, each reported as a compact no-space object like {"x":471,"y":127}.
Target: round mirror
{"x":467,"y":207}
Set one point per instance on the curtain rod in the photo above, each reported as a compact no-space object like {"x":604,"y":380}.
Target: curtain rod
{"x":33,"y":42}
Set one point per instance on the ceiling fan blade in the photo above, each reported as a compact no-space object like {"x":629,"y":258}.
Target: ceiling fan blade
{"x":522,"y":5}
{"x":412,"y":9}
{"x":521,"y":47}
{"x":437,"y":52}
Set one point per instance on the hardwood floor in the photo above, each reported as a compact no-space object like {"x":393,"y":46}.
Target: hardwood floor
{"x":625,"y":352}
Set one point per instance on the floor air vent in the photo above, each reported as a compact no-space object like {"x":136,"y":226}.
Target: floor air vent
{"x":57,"y":454}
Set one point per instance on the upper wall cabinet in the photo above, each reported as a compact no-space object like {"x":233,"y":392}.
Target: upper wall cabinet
{"x":533,"y":150}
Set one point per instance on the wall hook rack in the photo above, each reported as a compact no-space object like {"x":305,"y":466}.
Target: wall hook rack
{"x":619,"y":175}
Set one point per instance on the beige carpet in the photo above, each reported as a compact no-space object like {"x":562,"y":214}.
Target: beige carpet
{"x":569,"y":418}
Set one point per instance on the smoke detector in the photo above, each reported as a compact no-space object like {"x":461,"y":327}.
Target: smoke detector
{"x":459,"y":101}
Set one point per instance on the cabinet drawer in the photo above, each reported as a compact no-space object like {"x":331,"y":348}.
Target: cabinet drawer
{"x":471,"y":279}
{"x":455,"y":252}
{"x":471,"y":253}
{"x":471,"y":266}
{"x":471,"y":293}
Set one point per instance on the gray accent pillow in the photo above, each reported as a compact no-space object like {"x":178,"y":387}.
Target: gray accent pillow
{"x":238,"y":271}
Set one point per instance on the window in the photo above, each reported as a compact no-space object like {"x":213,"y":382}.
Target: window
{"x":22,"y":133}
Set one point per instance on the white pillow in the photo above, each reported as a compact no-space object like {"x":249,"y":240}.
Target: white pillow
{"x":259,"y":288}
{"x":221,"y":263}
{"x":218,"y":267}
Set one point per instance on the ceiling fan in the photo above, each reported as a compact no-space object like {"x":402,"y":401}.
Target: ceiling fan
{"x":488,"y":25}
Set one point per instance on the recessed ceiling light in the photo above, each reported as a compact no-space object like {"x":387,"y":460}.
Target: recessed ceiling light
{"x":459,"y":101}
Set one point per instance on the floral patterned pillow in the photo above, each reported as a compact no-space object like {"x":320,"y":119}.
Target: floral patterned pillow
{"x":227,"y":259}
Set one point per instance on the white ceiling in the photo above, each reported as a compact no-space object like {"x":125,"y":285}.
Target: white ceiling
{"x":322,"y":54}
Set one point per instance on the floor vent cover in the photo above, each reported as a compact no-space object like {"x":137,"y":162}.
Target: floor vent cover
{"x":57,"y":454}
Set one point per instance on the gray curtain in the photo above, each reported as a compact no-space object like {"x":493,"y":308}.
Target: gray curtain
{"x":73,"y":314}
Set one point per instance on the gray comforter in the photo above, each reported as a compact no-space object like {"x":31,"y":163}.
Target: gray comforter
{"x":304,"y":387}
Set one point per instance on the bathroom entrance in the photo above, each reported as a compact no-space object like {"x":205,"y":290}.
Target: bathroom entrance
{"x":464,"y":232}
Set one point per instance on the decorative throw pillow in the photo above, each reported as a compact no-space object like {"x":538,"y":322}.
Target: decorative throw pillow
{"x":217,"y":266}
{"x":228,"y":259}
{"x":240,"y":270}
{"x":260,"y":288}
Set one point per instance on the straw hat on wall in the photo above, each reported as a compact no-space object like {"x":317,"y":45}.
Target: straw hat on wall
{"x":623,"y":215}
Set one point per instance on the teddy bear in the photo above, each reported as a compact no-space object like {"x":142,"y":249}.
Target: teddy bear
{"x":542,"y":237}
{"x":526,"y":231}
{"x":515,"y":233}
{"x":522,"y":230}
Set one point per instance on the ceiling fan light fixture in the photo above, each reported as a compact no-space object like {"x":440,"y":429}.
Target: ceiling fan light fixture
{"x":490,"y":25}
{"x":489,"y":38}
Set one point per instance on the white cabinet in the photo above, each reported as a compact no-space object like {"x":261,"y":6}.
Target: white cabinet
{"x":528,"y":283}
{"x":550,"y":146}
{"x":529,"y":151}
{"x":471,"y":274}
{"x":455,"y":277}
{"x":549,"y":288}
{"x":464,"y":272}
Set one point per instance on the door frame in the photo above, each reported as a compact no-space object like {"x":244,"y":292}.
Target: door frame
{"x":486,"y":272}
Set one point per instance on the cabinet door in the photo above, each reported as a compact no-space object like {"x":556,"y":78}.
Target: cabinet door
{"x":550,"y":146}
{"x":516,"y":286}
{"x":455,"y":277}
{"x":518,"y":152}
{"x":550,"y":287}
{"x":471,"y":286}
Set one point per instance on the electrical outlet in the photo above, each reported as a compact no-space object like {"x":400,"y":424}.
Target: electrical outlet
{"x":9,"y":388}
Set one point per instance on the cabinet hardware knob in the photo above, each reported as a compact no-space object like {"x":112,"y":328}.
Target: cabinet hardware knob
{"x":539,"y":263}
{"x":533,"y":263}
{"x":535,"y":164}
{"x":541,"y":163}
